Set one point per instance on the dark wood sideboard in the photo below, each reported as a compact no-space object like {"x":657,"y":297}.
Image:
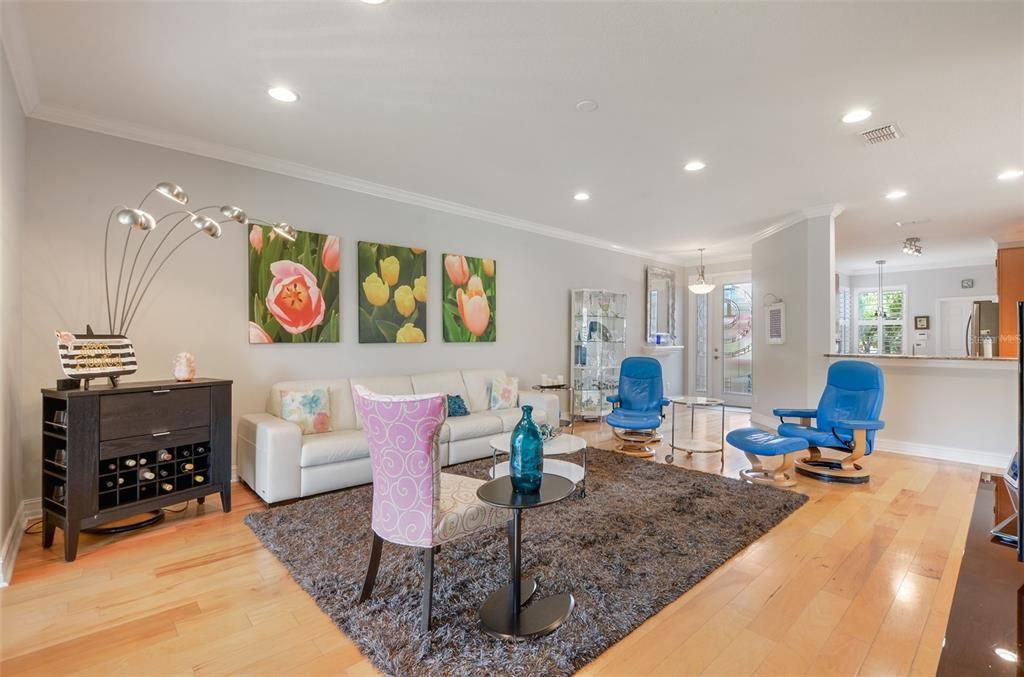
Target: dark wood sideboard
{"x":122,"y":451}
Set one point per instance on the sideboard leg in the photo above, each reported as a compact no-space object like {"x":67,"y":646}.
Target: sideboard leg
{"x":225,"y":499}
{"x":70,"y":541}
{"x":48,"y":530}
{"x":201,"y":500}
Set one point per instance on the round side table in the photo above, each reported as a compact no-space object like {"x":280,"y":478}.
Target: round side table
{"x":501,"y":613}
{"x":694,"y":446}
{"x":556,"y":446}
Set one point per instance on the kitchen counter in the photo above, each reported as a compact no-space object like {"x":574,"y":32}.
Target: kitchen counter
{"x":962,"y":358}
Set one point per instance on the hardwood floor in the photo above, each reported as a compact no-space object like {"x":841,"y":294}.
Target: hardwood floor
{"x":859,"y":580}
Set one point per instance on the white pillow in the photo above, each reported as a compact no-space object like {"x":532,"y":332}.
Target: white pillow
{"x":504,"y":392}
{"x":311,"y":410}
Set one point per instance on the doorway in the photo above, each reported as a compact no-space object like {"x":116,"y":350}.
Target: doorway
{"x":722,"y":364}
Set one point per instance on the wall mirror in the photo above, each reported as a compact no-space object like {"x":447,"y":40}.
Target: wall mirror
{"x":661,"y":306}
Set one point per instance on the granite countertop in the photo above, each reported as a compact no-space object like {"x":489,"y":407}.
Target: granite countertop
{"x":959,"y":358}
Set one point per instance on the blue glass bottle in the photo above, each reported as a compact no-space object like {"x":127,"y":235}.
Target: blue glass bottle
{"x":526,"y":462}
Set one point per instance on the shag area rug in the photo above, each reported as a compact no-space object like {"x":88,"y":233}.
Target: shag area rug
{"x":645,"y":534}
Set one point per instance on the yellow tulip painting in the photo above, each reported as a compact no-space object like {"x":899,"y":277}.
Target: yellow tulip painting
{"x":468,"y":309}
{"x":392,"y":294}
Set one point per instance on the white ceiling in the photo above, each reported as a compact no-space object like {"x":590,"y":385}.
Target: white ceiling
{"x":474,"y":103}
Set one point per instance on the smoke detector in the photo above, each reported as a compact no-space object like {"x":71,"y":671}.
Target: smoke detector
{"x":882,"y":134}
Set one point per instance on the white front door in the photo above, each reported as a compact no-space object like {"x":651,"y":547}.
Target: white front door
{"x":722,"y":323}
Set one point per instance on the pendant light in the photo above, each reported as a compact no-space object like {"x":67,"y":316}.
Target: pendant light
{"x":701,"y":286}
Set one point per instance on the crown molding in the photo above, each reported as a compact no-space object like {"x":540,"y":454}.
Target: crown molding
{"x":237,"y":156}
{"x":912,"y":267}
{"x":15,"y":46}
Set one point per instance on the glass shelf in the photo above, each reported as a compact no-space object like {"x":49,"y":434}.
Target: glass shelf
{"x":597,"y":346}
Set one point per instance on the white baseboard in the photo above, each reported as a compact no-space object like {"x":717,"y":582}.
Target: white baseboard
{"x":30,"y":509}
{"x":986,"y":459}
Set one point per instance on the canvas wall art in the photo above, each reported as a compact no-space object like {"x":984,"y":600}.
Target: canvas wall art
{"x":293,"y":287}
{"x":469,"y":306}
{"x":392,"y":294}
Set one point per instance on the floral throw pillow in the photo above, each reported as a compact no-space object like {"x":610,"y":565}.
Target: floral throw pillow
{"x":311,"y":410}
{"x":456,"y":407}
{"x":504,"y":392}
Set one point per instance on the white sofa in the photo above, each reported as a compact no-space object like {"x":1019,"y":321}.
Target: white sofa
{"x":280,"y":463}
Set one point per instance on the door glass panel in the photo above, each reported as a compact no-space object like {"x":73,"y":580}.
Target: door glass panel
{"x":737,"y":342}
{"x":700,"y":355}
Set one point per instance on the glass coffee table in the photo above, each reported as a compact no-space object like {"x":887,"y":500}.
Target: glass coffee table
{"x":556,"y":446}
{"x":502,"y":613}
{"x":690,"y":445}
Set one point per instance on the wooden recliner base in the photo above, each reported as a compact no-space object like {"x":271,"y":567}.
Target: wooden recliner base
{"x":780,"y":476}
{"x":845,"y":469}
{"x":634,"y":442}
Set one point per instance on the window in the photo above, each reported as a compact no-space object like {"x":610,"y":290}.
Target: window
{"x":700,"y":384}
{"x":843,"y":320}
{"x":880,"y":330}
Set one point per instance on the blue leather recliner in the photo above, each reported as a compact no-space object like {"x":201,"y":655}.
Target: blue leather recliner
{"x":847,"y":418}
{"x":637,"y":408}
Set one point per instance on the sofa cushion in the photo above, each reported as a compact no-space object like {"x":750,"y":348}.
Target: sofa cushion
{"x":383,"y":385}
{"x":341,"y":445}
{"x":343,"y":415}
{"x":478,"y":387}
{"x":447,"y":382}
{"x":510,"y":417}
{"x":469,"y":427}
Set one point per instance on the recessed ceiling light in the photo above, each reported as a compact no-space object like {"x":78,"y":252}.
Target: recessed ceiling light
{"x":374,"y":2}
{"x":856,"y":115}
{"x":581,"y":196}
{"x":895,"y":194}
{"x":694,"y":166}
{"x":1011,"y":174}
{"x":283,"y":94}
{"x":586,"y":106}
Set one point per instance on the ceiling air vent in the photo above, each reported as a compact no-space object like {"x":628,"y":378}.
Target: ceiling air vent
{"x":882,"y":134}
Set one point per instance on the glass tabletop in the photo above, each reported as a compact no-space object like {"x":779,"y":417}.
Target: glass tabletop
{"x":499,"y":492}
{"x":695,"y":401}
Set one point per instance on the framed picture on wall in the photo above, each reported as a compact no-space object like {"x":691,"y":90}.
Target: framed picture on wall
{"x":922,"y":322}
{"x":392,"y":293}
{"x":469,"y":303}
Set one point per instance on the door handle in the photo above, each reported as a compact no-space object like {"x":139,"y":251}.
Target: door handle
{"x":166,"y":432}
{"x":161,"y":392}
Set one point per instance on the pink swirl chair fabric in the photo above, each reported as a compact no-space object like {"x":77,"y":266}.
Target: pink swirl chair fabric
{"x":414,"y":503}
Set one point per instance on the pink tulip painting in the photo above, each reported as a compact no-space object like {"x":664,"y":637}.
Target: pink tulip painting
{"x":293,"y":287}
{"x":469,"y":290}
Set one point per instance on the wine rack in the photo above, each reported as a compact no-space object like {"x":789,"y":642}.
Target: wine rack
{"x":109,"y":453}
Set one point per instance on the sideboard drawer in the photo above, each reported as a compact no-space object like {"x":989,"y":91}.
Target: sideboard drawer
{"x":159,"y":410}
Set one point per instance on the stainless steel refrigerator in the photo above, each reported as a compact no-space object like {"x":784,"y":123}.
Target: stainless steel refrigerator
{"x":982,"y":328}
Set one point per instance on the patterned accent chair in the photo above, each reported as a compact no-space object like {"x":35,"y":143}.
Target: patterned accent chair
{"x":414,"y":503}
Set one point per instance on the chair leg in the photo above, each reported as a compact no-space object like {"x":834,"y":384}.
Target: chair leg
{"x":428,"y":588}
{"x":845,"y":469}
{"x":371,"y":569}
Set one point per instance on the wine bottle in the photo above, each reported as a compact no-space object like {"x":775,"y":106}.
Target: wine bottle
{"x":109,"y":484}
{"x":199,"y":479}
{"x":167,"y":486}
{"x":186,"y":467}
{"x":142,"y":460}
{"x":58,"y":493}
{"x":129,"y":463}
{"x":164,"y":472}
{"x":120,"y":480}
{"x":200,"y":449}
{"x":185,"y":452}
{"x":111,"y":467}
{"x":166,"y":455}
{"x":147,"y":474}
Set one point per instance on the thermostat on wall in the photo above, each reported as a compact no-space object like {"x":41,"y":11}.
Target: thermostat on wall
{"x":775,"y":319}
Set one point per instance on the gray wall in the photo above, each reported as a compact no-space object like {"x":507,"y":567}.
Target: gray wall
{"x":200,"y":303}
{"x":12,"y":171}
{"x":796,"y":265}
{"x":925,"y":287}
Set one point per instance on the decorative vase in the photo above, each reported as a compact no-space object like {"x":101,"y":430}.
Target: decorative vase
{"x":184,"y":367}
{"x":526,"y":462}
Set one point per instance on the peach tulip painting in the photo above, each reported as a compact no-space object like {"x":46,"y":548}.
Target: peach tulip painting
{"x":392,"y":293}
{"x":293,"y":287}
{"x":469,"y":299}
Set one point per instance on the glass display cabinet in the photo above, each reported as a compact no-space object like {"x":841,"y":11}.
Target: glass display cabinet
{"x":598,"y":345}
